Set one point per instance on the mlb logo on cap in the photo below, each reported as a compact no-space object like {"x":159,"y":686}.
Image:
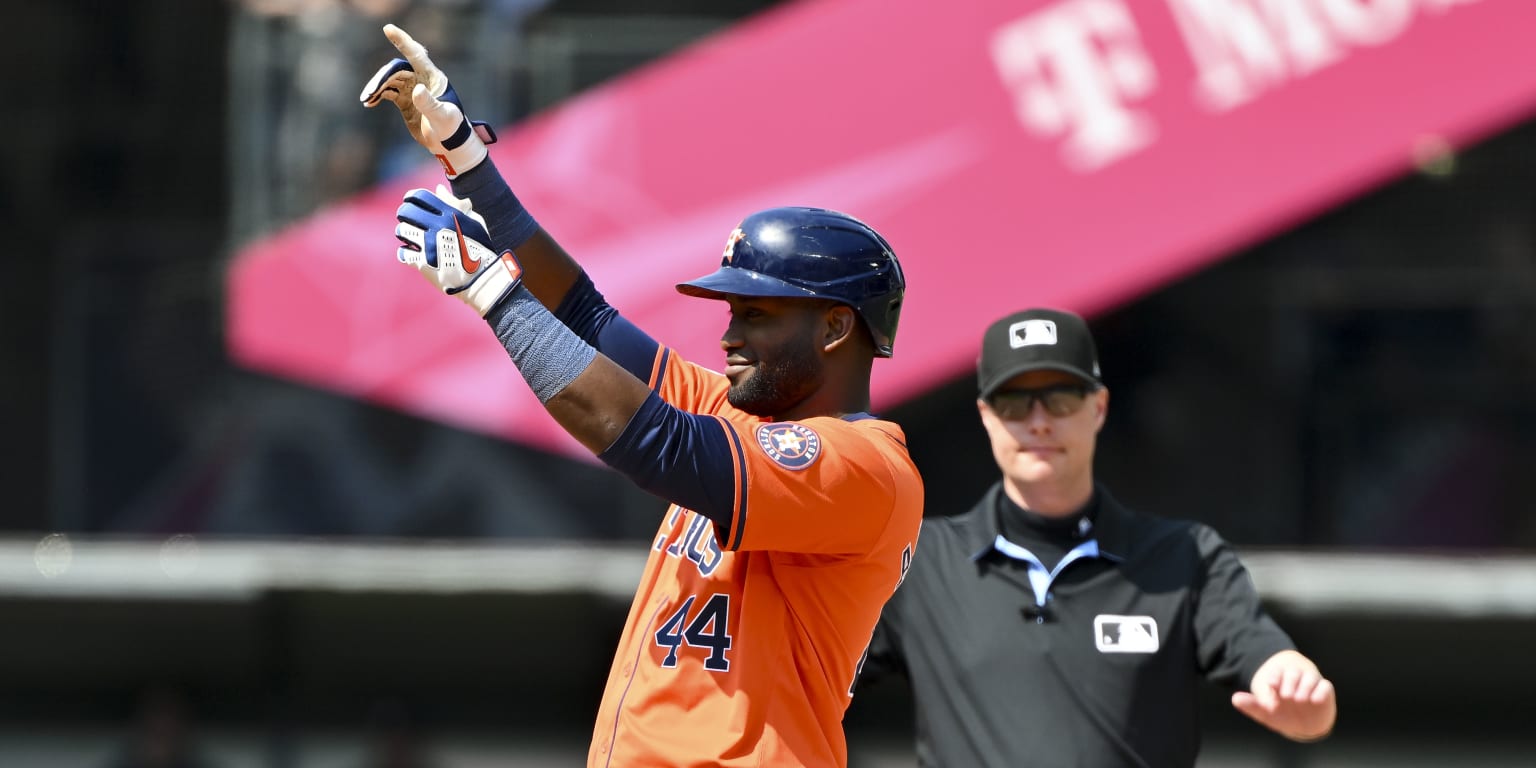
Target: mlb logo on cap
{"x":1035,"y":340}
{"x":1026,"y":333}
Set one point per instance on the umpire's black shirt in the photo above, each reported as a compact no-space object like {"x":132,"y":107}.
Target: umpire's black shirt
{"x":1094,"y":666}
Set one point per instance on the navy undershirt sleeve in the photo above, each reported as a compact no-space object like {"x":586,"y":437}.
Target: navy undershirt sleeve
{"x":684,"y":458}
{"x":585,"y":311}
{"x":509,"y":224}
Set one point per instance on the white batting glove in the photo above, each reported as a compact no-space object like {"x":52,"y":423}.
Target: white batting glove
{"x":444,"y":239}
{"x":436,"y":119}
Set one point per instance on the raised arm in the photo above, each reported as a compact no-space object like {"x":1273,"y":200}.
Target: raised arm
{"x":682,"y":457}
{"x":436,"y":119}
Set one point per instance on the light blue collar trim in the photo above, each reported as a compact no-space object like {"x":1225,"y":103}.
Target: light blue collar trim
{"x":1041,"y":579}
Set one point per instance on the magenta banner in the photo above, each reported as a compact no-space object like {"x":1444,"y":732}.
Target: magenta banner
{"x":1075,"y":153}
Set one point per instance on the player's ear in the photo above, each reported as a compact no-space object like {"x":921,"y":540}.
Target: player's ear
{"x":839,"y":326}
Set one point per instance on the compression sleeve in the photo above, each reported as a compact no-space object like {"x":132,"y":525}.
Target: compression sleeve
{"x":547,"y":353}
{"x":690,"y":460}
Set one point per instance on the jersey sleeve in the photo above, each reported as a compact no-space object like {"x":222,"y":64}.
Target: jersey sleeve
{"x":819,"y":486}
{"x":1234,"y":635}
{"x":691,"y":387}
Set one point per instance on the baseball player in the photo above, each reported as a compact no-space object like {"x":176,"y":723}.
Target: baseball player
{"x":794,"y":512}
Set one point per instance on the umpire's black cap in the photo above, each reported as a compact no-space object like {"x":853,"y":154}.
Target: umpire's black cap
{"x":1034,"y":340}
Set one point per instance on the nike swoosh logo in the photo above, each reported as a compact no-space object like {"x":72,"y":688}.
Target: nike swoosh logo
{"x":471,"y":265}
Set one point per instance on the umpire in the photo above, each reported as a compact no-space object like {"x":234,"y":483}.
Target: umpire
{"x":1051,"y":625}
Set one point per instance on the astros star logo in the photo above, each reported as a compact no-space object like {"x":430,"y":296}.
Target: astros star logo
{"x":790,"y":445}
{"x":730,"y":244}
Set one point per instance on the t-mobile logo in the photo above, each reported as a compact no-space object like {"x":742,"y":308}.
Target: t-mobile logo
{"x":1074,"y":68}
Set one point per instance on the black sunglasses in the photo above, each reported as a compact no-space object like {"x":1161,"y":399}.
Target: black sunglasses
{"x":1059,"y":400}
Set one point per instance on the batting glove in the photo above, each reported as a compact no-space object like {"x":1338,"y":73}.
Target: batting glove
{"x":444,"y":239}
{"x":435,"y":119}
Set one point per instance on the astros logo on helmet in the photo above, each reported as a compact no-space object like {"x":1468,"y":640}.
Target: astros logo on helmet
{"x":730,"y":244}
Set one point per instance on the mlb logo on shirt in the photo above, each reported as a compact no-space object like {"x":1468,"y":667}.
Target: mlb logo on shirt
{"x":1125,"y":634}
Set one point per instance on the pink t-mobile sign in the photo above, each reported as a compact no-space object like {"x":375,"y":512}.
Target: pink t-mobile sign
{"x":1074,"y":153}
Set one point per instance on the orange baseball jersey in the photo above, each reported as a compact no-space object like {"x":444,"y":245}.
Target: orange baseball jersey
{"x":748,"y":629}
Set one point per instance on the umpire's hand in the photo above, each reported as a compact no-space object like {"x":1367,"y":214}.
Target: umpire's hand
{"x":1291,"y":697}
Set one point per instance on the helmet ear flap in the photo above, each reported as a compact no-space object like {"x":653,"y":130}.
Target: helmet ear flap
{"x":888,"y":314}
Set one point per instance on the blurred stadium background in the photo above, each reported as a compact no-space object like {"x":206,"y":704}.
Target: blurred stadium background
{"x":202,"y":547}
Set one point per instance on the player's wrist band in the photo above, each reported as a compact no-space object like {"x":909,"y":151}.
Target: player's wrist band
{"x":509,"y":223}
{"x":549,"y":355}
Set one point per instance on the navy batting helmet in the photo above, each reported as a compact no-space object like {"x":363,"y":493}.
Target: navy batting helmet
{"x":811,"y":253}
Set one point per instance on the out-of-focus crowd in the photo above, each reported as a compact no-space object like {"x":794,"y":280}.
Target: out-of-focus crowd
{"x":298,"y":66}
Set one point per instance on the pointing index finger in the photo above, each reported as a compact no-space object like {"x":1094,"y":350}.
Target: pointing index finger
{"x":410,"y":49}
{"x":416,"y":54}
